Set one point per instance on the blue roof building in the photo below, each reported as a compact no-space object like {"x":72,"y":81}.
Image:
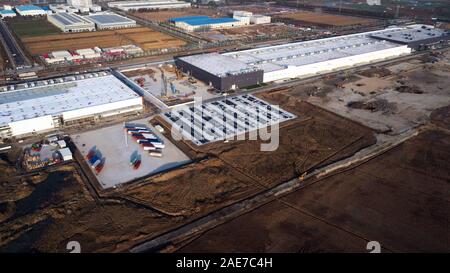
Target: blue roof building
{"x":30,"y":10}
{"x":191,"y":23}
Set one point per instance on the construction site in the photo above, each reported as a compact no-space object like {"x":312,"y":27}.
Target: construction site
{"x":169,"y":85}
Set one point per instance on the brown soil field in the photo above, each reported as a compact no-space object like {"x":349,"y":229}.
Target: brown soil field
{"x":399,"y":199}
{"x":164,"y":15}
{"x":250,"y":31}
{"x":145,"y":38}
{"x":321,"y":19}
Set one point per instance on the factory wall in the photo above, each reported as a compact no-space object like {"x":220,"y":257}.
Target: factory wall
{"x":341,"y":63}
{"x":241,"y":80}
{"x":221,"y":83}
{"x":28,"y":126}
{"x":118,"y":107}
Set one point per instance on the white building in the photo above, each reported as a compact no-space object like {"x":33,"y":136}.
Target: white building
{"x":244,"y":19}
{"x":149,"y":5}
{"x":69,"y":22}
{"x":194,"y":23}
{"x":95,"y":8}
{"x":80,"y":3}
{"x":259,"y":19}
{"x":242,"y":13}
{"x":111,"y":21}
{"x":30,"y":10}
{"x":44,"y":105}
{"x":250,"y":18}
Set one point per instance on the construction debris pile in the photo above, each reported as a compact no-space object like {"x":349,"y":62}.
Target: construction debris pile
{"x":377,"y":105}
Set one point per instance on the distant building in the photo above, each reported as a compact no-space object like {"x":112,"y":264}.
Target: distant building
{"x":111,"y":21}
{"x":69,"y":22}
{"x":194,"y":23}
{"x":221,"y":72}
{"x":250,"y":18}
{"x":80,"y":3}
{"x":260,"y":19}
{"x":148,"y":5}
{"x":30,"y":10}
{"x":45,"y":105}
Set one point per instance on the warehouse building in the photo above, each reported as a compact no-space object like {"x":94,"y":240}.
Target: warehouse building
{"x":46,"y":105}
{"x":149,"y":5}
{"x":250,"y":18}
{"x":301,"y":59}
{"x":111,"y":21}
{"x":221,"y":72}
{"x":194,"y":23}
{"x":30,"y":10}
{"x":416,"y":37}
{"x":69,"y":22}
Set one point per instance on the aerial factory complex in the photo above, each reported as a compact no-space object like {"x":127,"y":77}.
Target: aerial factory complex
{"x":224,"y":126}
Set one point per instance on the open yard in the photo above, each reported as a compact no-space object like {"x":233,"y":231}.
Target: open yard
{"x":143,"y":37}
{"x":120,"y":149}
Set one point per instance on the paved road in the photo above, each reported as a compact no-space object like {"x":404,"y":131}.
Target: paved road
{"x":15,"y":53}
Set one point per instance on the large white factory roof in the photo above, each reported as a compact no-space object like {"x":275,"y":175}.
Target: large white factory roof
{"x":410,"y":34}
{"x":302,"y":53}
{"x":57,"y":98}
{"x":109,"y":19}
{"x":218,"y":64}
{"x":70,"y":19}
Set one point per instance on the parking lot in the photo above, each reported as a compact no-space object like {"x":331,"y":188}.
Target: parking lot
{"x":118,"y":148}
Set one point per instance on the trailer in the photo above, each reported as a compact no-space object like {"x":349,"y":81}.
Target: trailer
{"x":156,"y":153}
{"x":93,"y":159}
{"x":96,"y":163}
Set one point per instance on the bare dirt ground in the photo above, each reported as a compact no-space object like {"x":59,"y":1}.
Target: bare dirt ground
{"x":143,"y":37}
{"x":399,"y":199}
{"x":322,"y":19}
{"x":387,"y":102}
{"x":162,"y":16}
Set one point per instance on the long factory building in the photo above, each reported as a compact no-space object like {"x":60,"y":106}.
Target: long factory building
{"x":70,"y":22}
{"x":300,"y":59}
{"x":45,"y":105}
{"x":149,"y":5}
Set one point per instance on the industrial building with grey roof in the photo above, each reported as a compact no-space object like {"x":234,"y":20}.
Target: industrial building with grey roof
{"x":70,"y":22}
{"x":111,"y":21}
